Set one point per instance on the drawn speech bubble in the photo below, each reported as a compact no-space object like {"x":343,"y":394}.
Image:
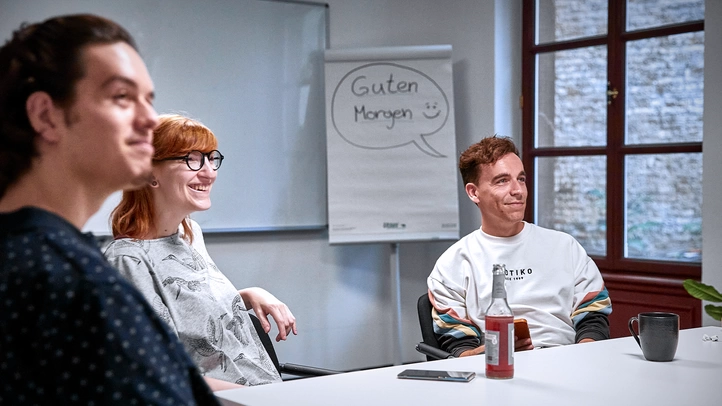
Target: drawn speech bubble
{"x":386,"y":105}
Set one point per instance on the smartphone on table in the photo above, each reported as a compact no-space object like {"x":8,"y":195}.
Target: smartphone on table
{"x":454,"y":376}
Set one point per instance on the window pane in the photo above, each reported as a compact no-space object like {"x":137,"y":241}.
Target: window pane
{"x":560,"y":20}
{"x":653,"y":13}
{"x":571,"y":105}
{"x":665,"y":83}
{"x":663,"y":204}
{"x":572,"y":197}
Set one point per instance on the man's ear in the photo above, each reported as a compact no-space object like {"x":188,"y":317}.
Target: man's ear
{"x":44,"y":116}
{"x":471,"y":191}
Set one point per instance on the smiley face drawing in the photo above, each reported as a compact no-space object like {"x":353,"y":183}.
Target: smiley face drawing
{"x":432,"y":110}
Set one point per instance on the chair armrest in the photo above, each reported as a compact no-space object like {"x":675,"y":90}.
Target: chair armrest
{"x":426,"y":349}
{"x":303,"y":370}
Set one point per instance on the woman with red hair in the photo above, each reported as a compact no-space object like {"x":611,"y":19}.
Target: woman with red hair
{"x":161,"y":251}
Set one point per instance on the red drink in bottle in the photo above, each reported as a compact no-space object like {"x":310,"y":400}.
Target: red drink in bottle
{"x":499,"y":349}
{"x":499,"y":334}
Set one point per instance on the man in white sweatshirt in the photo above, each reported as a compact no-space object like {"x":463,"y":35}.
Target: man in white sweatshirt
{"x":551,"y":281}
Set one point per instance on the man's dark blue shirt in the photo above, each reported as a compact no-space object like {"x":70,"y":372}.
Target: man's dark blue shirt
{"x":73,"y":331}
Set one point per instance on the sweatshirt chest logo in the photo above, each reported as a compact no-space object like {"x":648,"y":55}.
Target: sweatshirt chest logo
{"x":518,"y":274}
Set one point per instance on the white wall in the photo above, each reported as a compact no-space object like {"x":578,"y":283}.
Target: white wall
{"x":712,"y":147}
{"x":341,"y":295}
{"x":507,"y":69}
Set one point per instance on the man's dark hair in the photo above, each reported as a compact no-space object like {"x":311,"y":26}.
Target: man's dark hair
{"x":46,"y":57}
{"x":485,"y":152}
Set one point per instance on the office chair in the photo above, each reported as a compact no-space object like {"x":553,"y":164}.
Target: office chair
{"x":286,"y":368}
{"x":430,"y":345}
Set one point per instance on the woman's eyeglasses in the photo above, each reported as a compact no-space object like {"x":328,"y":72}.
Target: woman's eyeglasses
{"x":195,"y":159}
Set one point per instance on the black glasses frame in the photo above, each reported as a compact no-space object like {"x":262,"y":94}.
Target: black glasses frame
{"x":209,"y":156}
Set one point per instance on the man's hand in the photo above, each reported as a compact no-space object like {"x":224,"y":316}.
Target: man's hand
{"x":265,"y":304}
{"x":523,"y":344}
{"x":586,"y":340}
{"x":474,"y":351}
{"x":519,"y":345}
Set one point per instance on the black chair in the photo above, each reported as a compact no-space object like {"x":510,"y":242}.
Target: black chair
{"x":430,"y":345}
{"x":302,"y":371}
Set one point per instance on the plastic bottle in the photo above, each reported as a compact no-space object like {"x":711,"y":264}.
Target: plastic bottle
{"x":499,"y":334}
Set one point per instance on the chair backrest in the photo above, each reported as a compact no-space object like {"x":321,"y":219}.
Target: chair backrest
{"x":427,"y":324}
{"x":266,"y":341}
{"x":296,"y":370}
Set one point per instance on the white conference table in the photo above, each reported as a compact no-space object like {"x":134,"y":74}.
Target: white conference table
{"x":609,"y":373}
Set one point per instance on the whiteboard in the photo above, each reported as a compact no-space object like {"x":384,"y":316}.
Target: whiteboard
{"x":391,"y":144}
{"x":250,"y":70}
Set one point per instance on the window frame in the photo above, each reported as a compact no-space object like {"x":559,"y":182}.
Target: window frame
{"x":615,"y":150}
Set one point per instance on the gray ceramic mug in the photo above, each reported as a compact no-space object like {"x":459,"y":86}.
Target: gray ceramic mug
{"x":658,"y":334}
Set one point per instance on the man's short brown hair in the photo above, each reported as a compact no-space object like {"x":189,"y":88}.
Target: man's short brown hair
{"x":485,"y":152}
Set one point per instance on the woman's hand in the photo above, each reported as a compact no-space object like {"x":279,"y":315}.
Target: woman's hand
{"x":217,"y":384}
{"x":265,"y":304}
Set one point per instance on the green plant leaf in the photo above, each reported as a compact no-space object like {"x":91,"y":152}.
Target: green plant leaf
{"x":702,"y":291}
{"x":714,"y":311}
